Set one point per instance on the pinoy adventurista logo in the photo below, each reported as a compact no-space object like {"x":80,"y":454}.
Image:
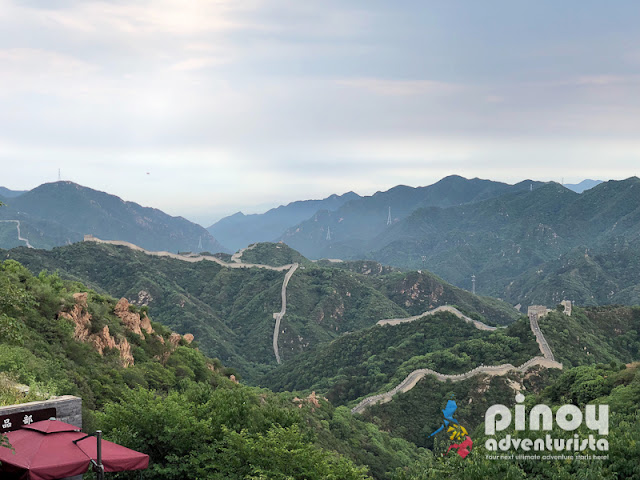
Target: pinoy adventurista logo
{"x":568,"y":418}
{"x":455,"y":431}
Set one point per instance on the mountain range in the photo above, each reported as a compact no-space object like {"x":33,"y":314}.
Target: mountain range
{"x":517,"y":235}
{"x":239,"y":230}
{"x":583,"y":185}
{"x":354,"y":225}
{"x":526,"y":243}
{"x":230,"y":310}
{"x":63,"y":212}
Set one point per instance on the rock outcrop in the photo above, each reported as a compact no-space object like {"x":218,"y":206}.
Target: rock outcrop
{"x":104,"y":340}
{"x":101,"y":341}
{"x":133,"y":321}
{"x":80,"y":317}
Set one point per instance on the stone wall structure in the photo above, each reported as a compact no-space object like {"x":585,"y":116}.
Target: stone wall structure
{"x":68,"y":409}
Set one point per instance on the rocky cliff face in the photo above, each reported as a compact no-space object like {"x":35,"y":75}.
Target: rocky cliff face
{"x":103,"y":340}
{"x":133,"y":321}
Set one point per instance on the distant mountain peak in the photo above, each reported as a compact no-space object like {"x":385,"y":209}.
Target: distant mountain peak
{"x":583,"y":185}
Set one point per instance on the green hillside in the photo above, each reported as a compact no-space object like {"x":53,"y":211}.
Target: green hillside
{"x":274,"y":254}
{"x":603,"y":275}
{"x":60,"y":213}
{"x":590,"y":336}
{"x":179,"y":406}
{"x":501,"y":239}
{"x":594,"y":335}
{"x":231,"y":311}
{"x":357,"y":222}
{"x":173,"y":403}
{"x":378,"y":358}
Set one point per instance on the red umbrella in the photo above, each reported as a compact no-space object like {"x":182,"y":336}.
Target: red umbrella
{"x":51,"y":450}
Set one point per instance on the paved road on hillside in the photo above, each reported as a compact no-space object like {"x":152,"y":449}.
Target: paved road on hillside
{"x":17,"y":222}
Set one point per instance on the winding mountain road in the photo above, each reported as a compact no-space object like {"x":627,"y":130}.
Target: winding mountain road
{"x":236,"y":262}
{"x":17,"y":222}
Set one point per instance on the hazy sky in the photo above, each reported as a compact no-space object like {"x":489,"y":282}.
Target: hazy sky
{"x":202,"y":108}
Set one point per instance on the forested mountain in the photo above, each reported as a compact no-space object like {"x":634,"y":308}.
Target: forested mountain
{"x":230,"y":310}
{"x":63,"y":212}
{"x":356,"y":223}
{"x":606,"y":274}
{"x":538,"y":232}
{"x":150,"y":389}
{"x":6,"y":193}
{"x":379,"y":357}
{"x":239,"y":230}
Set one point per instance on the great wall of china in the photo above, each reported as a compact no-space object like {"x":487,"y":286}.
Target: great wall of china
{"x":236,"y":262}
{"x":547,"y":360}
{"x":445,"y":308}
{"x":20,"y":237}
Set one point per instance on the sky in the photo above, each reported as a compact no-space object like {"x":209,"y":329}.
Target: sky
{"x":204,"y":108}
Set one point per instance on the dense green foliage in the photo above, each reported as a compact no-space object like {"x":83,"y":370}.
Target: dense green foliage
{"x":594,"y":334}
{"x":240,"y":432}
{"x":39,"y":349}
{"x":174,"y":403}
{"x":378,"y":358}
{"x":528,"y":247}
{"x":230,"y":311}
{"x":606,"y":274}
{"x":196,"y":423}
{"x":274,"y":254}
{"x":62,"y":212}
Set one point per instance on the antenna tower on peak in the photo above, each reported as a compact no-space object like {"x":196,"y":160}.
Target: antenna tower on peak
{"x":59,"y":175}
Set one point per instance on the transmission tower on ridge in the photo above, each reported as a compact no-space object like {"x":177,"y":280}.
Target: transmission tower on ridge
{"x":200,"y":243}
{"x":389,"y":217}
{"x":59,"y":175}
{"x":473,"y":284}
{"x":328,"y":233}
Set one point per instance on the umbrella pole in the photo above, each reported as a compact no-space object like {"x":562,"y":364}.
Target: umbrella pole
{"x":100,"y":467}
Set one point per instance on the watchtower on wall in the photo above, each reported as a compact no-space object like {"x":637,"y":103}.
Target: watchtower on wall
{"x":537,"y":311}
{"x":567,"y":307}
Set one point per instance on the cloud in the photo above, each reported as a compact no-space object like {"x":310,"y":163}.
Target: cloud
{"x":393,"y":87}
